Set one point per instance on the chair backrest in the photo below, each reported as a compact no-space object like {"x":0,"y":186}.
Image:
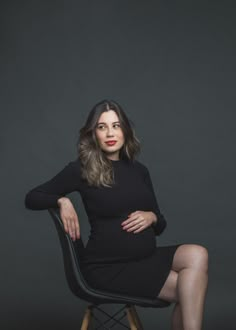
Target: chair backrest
{"x":72,"y":257}
{"x":73,"y":252}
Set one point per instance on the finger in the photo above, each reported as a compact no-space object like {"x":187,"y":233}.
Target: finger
{"x":72,"y":226}
{"x":127,"y":220}
{"x":77,"y":229}
{"x":74,"y":223}
{"x":64,"y":221}
{"x":138,"y":224}
{"x":132,"y":214}
{"x":135,"y":219}
{"x":130,"y":221}
{"x":66,"y":227}
{"x":130,"y":217}
{"x":135,"y":225}
{"x":140,"y":229}
{"x":135,"y":212}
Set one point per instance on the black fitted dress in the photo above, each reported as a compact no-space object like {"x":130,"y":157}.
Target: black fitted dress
{"x":114,"y":259}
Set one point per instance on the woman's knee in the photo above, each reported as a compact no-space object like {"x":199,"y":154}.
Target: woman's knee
{"x":169,"y":289}
{"x":191,"y":256}
{"x":200,"y":258}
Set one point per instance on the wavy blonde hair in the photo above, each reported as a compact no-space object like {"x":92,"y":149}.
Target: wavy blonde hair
{"x":96,"y":168}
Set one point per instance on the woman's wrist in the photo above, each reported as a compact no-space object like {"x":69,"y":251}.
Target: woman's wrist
{"x":154,"y":218}
{"x":62,"y":201}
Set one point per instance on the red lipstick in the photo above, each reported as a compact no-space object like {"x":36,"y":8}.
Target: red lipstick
{"x":111,"y":142}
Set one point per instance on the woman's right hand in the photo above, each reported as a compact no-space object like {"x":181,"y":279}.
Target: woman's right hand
{"x":69,"y":217}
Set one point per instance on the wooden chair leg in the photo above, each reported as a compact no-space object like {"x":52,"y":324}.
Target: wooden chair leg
{"x":86,"y":319}
{"x":136,"y":317}
{"x":131,"y":319}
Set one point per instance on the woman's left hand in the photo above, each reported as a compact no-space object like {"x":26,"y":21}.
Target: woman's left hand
{"x":138,"y":221}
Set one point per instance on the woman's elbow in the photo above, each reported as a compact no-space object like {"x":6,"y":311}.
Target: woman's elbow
{"x":27,"y":201}
{"x":30,"y":202}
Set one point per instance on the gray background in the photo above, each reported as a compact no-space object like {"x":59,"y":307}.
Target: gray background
{"x":171,"y":65}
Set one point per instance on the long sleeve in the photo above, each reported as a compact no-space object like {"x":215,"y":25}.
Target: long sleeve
{"x":161,"y":223}
{"x":46,"y":195}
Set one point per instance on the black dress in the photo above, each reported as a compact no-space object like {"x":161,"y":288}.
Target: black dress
{"x":114,"y":259}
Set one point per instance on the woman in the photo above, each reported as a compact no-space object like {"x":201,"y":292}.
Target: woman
{"x":116,"y":189}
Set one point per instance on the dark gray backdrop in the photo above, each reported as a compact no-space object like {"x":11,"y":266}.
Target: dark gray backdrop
{"x":171,"y":65}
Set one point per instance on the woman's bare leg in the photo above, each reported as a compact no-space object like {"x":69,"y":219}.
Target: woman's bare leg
{"x":169,"y":293}
{"x":176,"y":321}
{"x":190,"y":264}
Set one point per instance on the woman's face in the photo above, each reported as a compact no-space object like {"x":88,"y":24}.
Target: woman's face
{"x":108,"y":129}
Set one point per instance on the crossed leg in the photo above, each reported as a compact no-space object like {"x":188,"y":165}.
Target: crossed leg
{"x":186,"y":285}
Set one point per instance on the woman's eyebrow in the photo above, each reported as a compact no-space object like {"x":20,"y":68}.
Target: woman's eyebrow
{"x":114,"y":122}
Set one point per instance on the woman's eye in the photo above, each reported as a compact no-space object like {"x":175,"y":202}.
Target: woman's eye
{"x":102,"y":126}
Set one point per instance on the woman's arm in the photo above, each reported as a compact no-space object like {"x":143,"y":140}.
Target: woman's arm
{"x":49,"y":193}
{"x":160,"y":224}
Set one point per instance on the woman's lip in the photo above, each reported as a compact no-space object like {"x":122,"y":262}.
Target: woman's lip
{"x":110,"y":142}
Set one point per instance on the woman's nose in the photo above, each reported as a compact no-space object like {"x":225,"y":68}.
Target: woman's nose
{"x":110,"y":131}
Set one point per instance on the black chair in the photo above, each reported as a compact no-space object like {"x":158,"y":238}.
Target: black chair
{"x":72,"y":256}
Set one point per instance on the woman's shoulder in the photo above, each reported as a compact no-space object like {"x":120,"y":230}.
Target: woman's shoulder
{"x":73,"y":164}
{"x":140,"y":166}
